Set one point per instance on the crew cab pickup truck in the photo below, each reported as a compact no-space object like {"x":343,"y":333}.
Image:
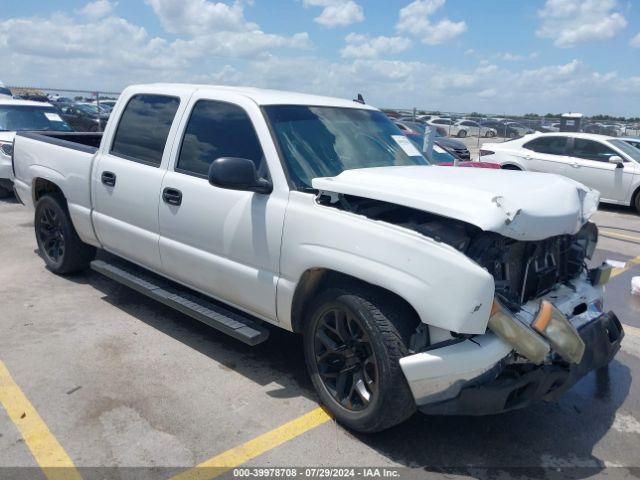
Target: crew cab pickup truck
{"x":448,"y":290}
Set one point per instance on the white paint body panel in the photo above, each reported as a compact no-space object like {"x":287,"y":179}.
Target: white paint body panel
{"x":524,"y":207}
{"x":615,"y":185}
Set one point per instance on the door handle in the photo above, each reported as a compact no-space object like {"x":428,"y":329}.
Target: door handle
{"x":108,"y":178}
{"x":172,"y":196}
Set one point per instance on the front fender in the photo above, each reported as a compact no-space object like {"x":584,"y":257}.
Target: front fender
{"x":444,"y":287}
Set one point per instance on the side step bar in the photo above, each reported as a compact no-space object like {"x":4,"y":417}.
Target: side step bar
{"x":179,"y":298}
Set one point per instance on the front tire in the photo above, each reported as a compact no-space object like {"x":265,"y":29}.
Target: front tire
{"x":353,"y":343}
{"x":489,"y":134}
{"x":61,"y":248}
{"x":462,"y":134}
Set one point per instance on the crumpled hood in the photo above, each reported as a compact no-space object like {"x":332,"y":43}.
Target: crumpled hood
{"x":519,"y":205}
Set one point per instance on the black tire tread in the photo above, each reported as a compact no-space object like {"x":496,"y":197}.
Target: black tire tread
{"x":5,"y":192}
{"x":78,"y":255}
{"x":395,"y":328}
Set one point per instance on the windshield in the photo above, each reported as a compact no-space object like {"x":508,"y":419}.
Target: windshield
{"x":438,"y":156}
{"x":16,"y":118}
{"x":325,"y":141}
{"x":629,"y":150}
{"x":415,"y":126}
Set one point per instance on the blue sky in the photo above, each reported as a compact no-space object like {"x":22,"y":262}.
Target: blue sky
{"x":497,"y":56}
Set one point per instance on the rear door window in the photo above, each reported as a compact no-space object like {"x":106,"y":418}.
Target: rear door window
{"x":549,"y":145}
{"x":144,"y":127}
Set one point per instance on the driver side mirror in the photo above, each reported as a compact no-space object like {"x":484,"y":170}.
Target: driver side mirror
{"x":617,"y":160}
{"x":237,"y":174}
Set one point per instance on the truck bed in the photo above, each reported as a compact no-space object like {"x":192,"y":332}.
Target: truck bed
{"x":65,"y":159}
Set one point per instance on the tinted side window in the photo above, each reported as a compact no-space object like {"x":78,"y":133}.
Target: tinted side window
{"x":590,"y":150}
{"x":144,"y":127}
{"x":218,"y":129}
{"x":549,"y":145}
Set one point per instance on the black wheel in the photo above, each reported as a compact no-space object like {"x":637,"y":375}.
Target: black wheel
{"x":58,"y":241}
{"x":511,"y":167}
{"x":636,"y":202}
{"x":353,"y":343}
{"x":489,"y":134}
{"x":462,"y":133}
{"x":5,"y":192}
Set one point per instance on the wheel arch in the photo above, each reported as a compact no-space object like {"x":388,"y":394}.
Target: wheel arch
{"x":42,"y":186}
{"x":315,"y":280}
{"x":634,"y":196}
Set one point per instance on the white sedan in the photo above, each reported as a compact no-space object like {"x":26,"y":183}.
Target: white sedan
{"x":607,"y":164}
{"x":463,"y":128}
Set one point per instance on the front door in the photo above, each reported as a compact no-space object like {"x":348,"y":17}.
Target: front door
{"x":224,"y":243}
{"x":127,"y":180}
{"x":589,"y":164}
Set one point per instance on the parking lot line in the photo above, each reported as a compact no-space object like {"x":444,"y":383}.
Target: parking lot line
{"x":619,"y":236}
{"x":47,"y":451}
{"x":628,"y":265}
{"x":236,"y":456}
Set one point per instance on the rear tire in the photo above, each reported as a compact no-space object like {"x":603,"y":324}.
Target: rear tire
{"x":354,"y":339}
{"x":489,"y":134}
{"x":462,"y":133}
{"x":61,"y":248}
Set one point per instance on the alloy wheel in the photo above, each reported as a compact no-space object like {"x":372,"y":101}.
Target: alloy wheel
{"x":345,"y":359}
{"x":50,"y":234}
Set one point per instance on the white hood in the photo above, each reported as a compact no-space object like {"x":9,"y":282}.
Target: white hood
{"x":519,"y":205}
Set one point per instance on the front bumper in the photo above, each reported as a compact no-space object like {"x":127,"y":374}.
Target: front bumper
{"x":511,"y":386}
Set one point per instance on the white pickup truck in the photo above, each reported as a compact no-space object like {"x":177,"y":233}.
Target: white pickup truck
{"x":449,"y":290}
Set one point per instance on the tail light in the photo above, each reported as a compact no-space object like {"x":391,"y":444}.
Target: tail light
{"x":484,"y":153}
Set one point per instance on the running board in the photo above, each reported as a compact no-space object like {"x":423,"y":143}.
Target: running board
{"x":180,"y":298}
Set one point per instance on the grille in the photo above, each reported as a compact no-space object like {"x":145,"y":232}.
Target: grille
{"x":524,"y":271}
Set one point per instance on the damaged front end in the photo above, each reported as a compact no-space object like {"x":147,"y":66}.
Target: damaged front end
{"x":547,"y":328}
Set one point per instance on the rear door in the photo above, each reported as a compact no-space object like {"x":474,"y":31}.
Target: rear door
{"x":589,"y":164}
{"x":128,"y":175}
{"x":546,"y":154}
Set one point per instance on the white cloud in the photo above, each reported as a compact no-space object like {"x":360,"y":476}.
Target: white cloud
{"x":635,"y":41}
{"x":414,"y":19}
{"x":98,"y":9}
{"x":196,"y":17}
{"x":570,"y":22}
{"x":74,"y":51}
{"x":336,"y":13}
{"x":362,"y":46}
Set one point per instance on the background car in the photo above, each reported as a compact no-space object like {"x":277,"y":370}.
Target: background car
{"x":519,"y":128}
{"x":501,"y":129}
{"x":455,"y":147}
{"x":444,"y":157}
{"x":465,"y":128}
{"x":84,"y":117}
{"x":607,"y":164}
{"x":22,"y":115}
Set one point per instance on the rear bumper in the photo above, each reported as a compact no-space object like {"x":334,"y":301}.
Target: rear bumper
{"x":511,"y":386}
